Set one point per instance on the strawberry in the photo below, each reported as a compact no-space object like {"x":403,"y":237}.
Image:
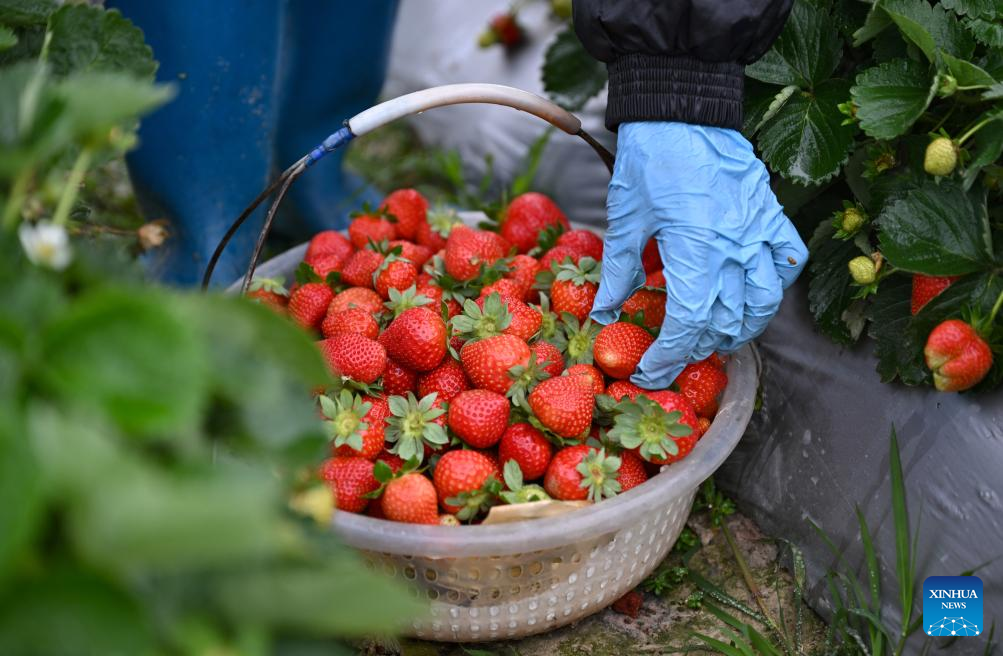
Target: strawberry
{"x":366,"y":228}
{"x":649,"y":301}
{"x":661,"y":426}
{"x":926,"y":288}
{"x":481,"y":319}
{"x":526,"y":216}
{"x":478,"y":417}
{"x":416,"y":424}
{"x":351,"y":478}
{"x":354,"y":356}
{"x":410,"y":498}
{"x":487,"y":362}
{"x":957,"y":355}
{"x":416,"y":339}
{"x":589,"y":376}
{"x":414,"y":253}
{"x":651,"y":259}
{"x":394,"y":273}
{"x":398,"y":380}
{"x":308,"y":304}
{"x":328,"y":241}
{"x":655,"y":279}
{"x":357,"y":297}
{"x":466,"y":482}
{"x":468,"y":249}
{"x":631,"y":472}
{"x":507,"y":288}
{"x":410,"y":209}
{"x":447,"y":380}
{"x":548,"y":358}
{"x":354,"y":424}
{"x":585,"y":242}
{"x":941,"y":157}
{"x":503,"y":29}
{"x":325,"y":263}
{"x":703,"y":425}
{"x":620,"y":389}
{"x":359,"y":268}
{"x":619,"y":347}
{"x":581,"y":472}
{"x":563,"y":405}
{"x":526,"y":446}
{"x":353,"y":320}
{"x":574,"y":288}
{"x":517,"y":490}
{"x":391,"y":460}
{"x":526,"y":321}
{"x":557,"y":255}
{"x":433,"y":233}
{"x":702,"y":383}
{"x":522,"y":269}
{"x":446,"y":519}
{"x":717,"y":361}
{"x":269,"y":292}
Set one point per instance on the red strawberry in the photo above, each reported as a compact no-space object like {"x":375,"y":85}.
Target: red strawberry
{"x":398,"y":380}
{"x":409,"y":208}
{"x":522,"y":269}
{"x":269,"y":292}
{"x":661,"y":426}
{"x":563,"y":405}
{"x":717,"y":361}
{"x":547,"y":353}
{"x":478,"y":417}
{"x":467,"y":249}
{"x":394,"y":274}
{"x":526,"y":320}
{"x":447,"y":380}
{"x":356,"y":425}
{"x":507,"y":288}
{"x":590,"y":376}
{"x":527,"y":216}
{"x":414,"y":253}
{"x":650,"y":302}
{"x":350,"y":478}
{"x":581,"y":472}
{"x":325,"y":263}
{"x":354,"y":356}
{"x":702,"y":383}
{"x":585,"y":242}
{"x":619,"y":389}
{"x":703,"y":425}
{"x":466,"y":482}
{"x":487,"y":362}
{"x":502,"y":29}
{"x":308,"y":304}
{"x":528,"y":447}
{"x":957,"y":355}
{"x":655,"y":279}
{"x":619,"y":347}
{"x":416,"y":339}
{"x":651,"y":260}
{"x":367,"y":228}
{"x":328,"y":241}
{"x":926,"y":288}
{"x":435,"y":230}
{"x":631,"y":472}
{"x":557,"y":255}
{"x":357,"y":297}
{"x":574,"y":288}
{"x":353,"y":320}
{"x":410,"y":498}
{"x":392,"y":460}
{"x":358,"y":270}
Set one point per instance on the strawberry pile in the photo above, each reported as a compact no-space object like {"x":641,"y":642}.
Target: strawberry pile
{"x":469,"y":373}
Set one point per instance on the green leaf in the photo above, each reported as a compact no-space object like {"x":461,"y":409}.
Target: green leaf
{"x":20,"y":491}
{"x":898,"y":356}
{"x":891,"y":96}
{"x":829,"y":290}
{"x":571,"y":76}
{"x":994,"y":93}
{"x":806,"y":141}
{"x":989,"y":33}
{"x":96,"y":102}
{"x":929,"y":27}
{"x":23,"y":13}
{"x":7,"y":38}
{"x":88,"y":38}
{"x":900,"y":514}
{"x":935,"y":230}
{"x":974,"y":8}
{"x":129,"y":355}
{"x":966,"y":73}
{"x":805,"y":54}
{"x":987,"y":148}
{"x":877,"y":22}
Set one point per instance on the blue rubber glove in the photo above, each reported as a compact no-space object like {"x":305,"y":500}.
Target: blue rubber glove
{"x":727,"y":247}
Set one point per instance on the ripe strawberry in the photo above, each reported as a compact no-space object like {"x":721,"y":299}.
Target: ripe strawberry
{"x":409,"y":207}
{"x":589,"y":376}
{"x":619,"y":389}
{"x":651,"y":259}
{"x":447,"y":380}
{"x":325,"y":263}
{"x":507,"y":288}
{"x":503,"y":29}
{"x":416,"y":339}
{"x":926,"y":288}
{"x":661,"y":426}
{"x":478,"y":417}
{"x":585,"y":242}
{"x":353,"y":320}
{"x":328,"y":241}
{"x":526,"y":446}
{"x":466,"y":482}
{"x":410,"y":498}
{"x":526,"y":216}
{"x":563,"y":405}
{"x":367,"y":228}
{"x":717,"y":361}
{"x":574,"y":288}
{"x":414,"y":253}
{"x":416,"y":427}
{"x":703,"y":425}
{"x":581,"y":472}
{"x":631,"y":472}
{"x":435,"y":230}
{"x":702,"y":383}
{"x":398,"y":380}
{"x":655,"y":279}
{"x":649,"y":301}
{"x":358,"y":270}
{"x":548,"y":358}
{"x":394,"y":273}
{"x":957,"y":355}
{"x":467,"y":249}
{"x":308,"y":304}
{"x":391,"y":460}
{"x":557,"y":255}
{"x":487,"y":362}
{"x":354,"y":424}
{"x":619,"y":347}
{"x":526,"y":320}
{"x":269,"y":292}
{"x":354,"y":356}
{"x":350,"y":478}
{"x":357,"y":297}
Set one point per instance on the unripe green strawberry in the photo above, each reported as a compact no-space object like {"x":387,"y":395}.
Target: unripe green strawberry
{"x":948,"y":85}
{"x":853,"y":220}
{"x":863,"y":270}
{"x":941,"y":157}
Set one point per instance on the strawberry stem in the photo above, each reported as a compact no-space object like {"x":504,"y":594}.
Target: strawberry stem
{"x":978,"y":126}
{"x":996,"y":309}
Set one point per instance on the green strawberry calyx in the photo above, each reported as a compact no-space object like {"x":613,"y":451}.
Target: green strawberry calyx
{"x":411,"y":425}
{"x":599,"y":474}
{"x":517,"y":491}
{"x":344,"y":417}
{"x":273,"y":285}
{"x":409,"y":298}
{"x":442,"y":220}
{"x":645,"y":424}
{"x":524,"y":379}
{"x":576,"y":340}
{"x":474,"y":502}
{"x":384,"y":474}
{"x":475,"y":323}
{"x":586,"y":271}
{"x":550,"y":329}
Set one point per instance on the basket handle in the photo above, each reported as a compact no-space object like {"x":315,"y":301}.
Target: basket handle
{"x":387,"y":112}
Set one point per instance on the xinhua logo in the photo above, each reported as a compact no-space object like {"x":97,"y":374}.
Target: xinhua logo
{"x":952,"y":606}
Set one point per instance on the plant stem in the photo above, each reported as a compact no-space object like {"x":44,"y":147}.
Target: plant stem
{"x":972,"y":87}
{"x":18,"y":191}
{"x":978,"y":126}
{"x":750,"y":583}
{"x":996,"y":309}
{"x":940,"y":124}
{"x":72,"y":187}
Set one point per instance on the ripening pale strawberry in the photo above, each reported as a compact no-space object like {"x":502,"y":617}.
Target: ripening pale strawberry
{"x":466,"y":482}
{"x":563,"y":405}
{"x":548,"y":358}
{"x":526,"y":216}
{"x":354,"y":356}
{"x":328,"y":241}
{"x":410,"y":498}
{"x":394,"y":273}
{"x":586,"y":242}
{"x":353,"y":320}
{"x":358,"y":270}
{"x":926,"y":288}
{"x":447,"y":380}
{"x":702,"y":384}
{"x":957,"y":355}
{"x":308,"y":304}
{"x":357,"y":297}
{"x":487,"y":362}
{"x":416,"y":339}
{"x":589,"y":376}
{"x":468,"y":249}
{"x":619,"y":347}
{"x":528,"y":447}
{"x":410,"y":209}
{"x":582,"y":472}
{"x":649,"y":301}
{"x":478,"y":417}
{"x":367,"y":228}
{"x":350,"y":478}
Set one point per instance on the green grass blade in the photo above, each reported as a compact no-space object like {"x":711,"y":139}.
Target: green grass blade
{"x":873,"y":573}
{"x":904,"y":568}
{"x":760,"y":643}
{"x":990,"y":645}
{"x":722,"y":597}
{"x":873,"y":621}
{"x":720,"y":647}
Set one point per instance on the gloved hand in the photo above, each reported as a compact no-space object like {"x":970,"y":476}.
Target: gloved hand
{"x":728,"y":249}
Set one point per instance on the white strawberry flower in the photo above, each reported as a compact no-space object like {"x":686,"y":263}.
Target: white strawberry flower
{"x":46,"y":244}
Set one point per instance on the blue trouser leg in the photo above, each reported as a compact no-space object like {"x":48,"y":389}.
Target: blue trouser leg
{"x":207,"y":154}
{"x":334,"y":61}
